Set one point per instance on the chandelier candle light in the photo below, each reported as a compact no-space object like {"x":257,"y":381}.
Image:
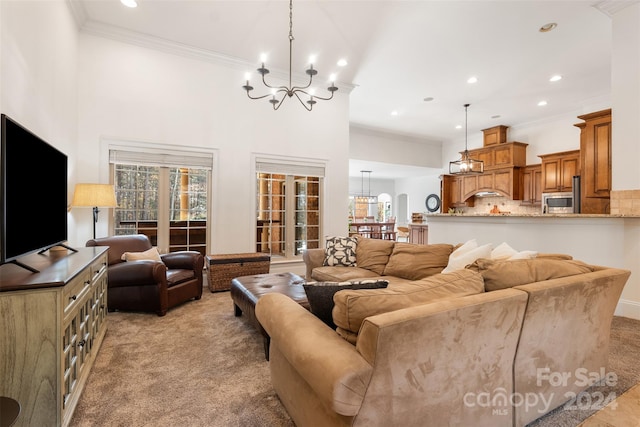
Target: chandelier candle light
{"x":291,"y":90}
{"x":466,"y":165}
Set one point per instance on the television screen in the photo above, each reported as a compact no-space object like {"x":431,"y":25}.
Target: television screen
{"x":33,"y":193}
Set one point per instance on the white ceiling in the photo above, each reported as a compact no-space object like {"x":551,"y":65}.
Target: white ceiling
{"x":399,"y":52}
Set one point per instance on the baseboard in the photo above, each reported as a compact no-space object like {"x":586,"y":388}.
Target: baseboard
{"x":627,"y":308}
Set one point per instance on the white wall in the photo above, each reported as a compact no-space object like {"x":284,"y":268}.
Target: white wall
{"x":625,"y":88}
{"x":134,"y":93}
{"x":417,"y":190}
{"x":38,"y":60}
{"x":367,"y":144}
{"x":625,"y":150}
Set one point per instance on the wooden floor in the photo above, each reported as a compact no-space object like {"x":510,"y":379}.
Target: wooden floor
{"x":622,"y":412}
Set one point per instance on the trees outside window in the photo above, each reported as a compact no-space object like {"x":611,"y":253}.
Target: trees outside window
{"x":168,"y":204}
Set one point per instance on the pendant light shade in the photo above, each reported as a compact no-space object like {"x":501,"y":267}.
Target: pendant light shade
{"x":466,"y":165}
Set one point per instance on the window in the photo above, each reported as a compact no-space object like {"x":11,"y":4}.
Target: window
{"x":288,"y":208}
{"x":168,"y":203}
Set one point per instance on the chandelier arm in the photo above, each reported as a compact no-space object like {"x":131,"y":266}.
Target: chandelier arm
{"x":302,"y":88}
{"x":321,"y":98}
{"x":296,"y":90}
{"x":258,"y":97}
{"x":277,"y":105}
{"x":309,"y":108}
{"x":264,"y":82}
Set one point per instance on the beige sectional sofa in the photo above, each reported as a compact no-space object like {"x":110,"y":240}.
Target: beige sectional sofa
{"x":480,"y":346}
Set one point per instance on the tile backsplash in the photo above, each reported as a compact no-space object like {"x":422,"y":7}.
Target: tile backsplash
{"x":484,"y":205}
{"x":625,"y":202}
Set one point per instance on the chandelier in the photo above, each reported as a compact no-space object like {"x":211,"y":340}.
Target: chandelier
{"x":466,"y":165}
{"x":290,"y":91}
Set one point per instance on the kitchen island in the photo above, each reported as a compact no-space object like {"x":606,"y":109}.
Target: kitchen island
{"x":608,"y":240}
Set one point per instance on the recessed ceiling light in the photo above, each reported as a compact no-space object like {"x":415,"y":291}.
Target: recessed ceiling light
{"x":458,"y":126}
{"x":548,"y":27}
{"x":542,"y":103}
{"x":555,"y":78}
{"x":428,"y":99}
{"x":394,"y":113}
{"x":473,"y":79}
{"x":129,"y":3}
{"x":342,"y":62}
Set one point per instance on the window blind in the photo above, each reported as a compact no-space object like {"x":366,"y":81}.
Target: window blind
{"x":166,"y":158}
{"x":289,"y":167}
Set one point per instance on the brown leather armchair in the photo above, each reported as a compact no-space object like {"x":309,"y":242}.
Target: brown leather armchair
{"x":149,"y":285}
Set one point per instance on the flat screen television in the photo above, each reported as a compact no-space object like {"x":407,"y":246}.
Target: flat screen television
{"x":33,"y":193}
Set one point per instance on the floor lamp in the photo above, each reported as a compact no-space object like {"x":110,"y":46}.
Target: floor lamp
{"x":94,"y":196}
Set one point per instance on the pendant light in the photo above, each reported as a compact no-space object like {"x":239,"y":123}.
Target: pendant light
{"x":466,"y":165}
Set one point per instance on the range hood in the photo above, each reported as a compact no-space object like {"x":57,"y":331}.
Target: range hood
{"x":488,"y":194}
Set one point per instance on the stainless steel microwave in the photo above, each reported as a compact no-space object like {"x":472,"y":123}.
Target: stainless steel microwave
{"x":557,"y":203}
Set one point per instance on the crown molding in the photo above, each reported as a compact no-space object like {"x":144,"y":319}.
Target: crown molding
{"x":151,"y":42}
{"x":611,"y":7}
{"x":79,"y":12}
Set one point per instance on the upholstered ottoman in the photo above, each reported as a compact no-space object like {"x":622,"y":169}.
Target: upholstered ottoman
{"x":246,"y":290}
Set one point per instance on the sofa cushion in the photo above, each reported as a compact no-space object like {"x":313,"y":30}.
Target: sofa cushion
{"x":320,"y":295}
{"x":500,"y":274}
{"x":340,"y":251}
{"x":341,"y":274}
{"x":411,"y":261}
{"x":353,"y":306}
{"x":373,"y":254}
{"x":177,"y":276}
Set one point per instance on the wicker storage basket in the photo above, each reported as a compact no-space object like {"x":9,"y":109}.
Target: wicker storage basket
{"x":222,"y":268}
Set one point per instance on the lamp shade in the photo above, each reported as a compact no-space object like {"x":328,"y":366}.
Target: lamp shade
{"x":94,"y":195}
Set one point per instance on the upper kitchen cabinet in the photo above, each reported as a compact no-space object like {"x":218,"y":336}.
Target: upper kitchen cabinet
{"x":495,"y":135}
{"x":532,"y":185}
{"x":558,"y":170}
{"x":508,"y":154}
{"x":595,"y":161}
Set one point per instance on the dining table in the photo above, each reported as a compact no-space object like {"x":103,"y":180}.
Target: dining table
{"x":373,"y":230}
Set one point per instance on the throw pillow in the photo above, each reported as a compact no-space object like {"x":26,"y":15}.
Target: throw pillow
{"x":340,"y":251}
{"x":320,"y":295}
{"x":150,"y":255}
{"x":523,"y":255}
{"x":459,"y":260}
{"x":503,"y":251}
{"x":413,"y":262}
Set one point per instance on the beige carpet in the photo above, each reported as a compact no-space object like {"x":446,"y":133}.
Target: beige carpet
{"x":201,"y":366}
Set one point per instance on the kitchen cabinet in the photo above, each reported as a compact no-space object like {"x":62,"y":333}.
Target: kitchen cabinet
{"x":495,"y":135}
{"x":506,"y":181}
{"x":451,"y":192}
{"x":418,"y":234}
{"x":54,"y":322}
{"x":502,"y":155}
{"x":558,"y":170}
{"x":532,"y":185}
{"x":595,"y":162}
